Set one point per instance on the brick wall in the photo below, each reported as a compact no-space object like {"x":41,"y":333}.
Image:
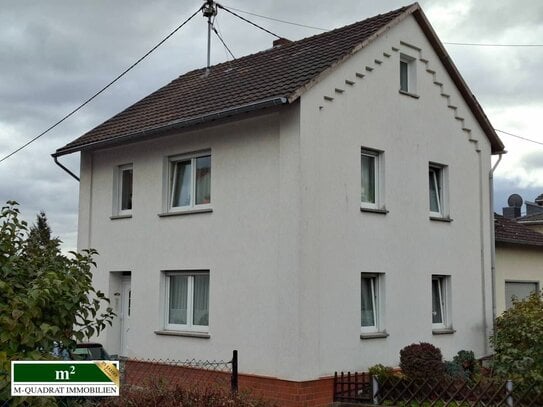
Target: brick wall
{"x":285,"y":393}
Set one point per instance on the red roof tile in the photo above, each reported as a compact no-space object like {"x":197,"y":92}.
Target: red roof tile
{"x":276,"y":76}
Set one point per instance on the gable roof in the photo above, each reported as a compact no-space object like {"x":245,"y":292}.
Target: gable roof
{"x":509,"y":231}
{"x":277,"y":76}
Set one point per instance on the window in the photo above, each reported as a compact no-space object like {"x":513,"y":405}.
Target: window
{"x":371,"y":318}
{"x":518,"y":290}
{"x":187,"y":301}
{"x":124,"y":185}
{"x":371,"y":163}
{"x":440,"y":296}
{"x":437,"y":190}
{"x":190,"y":182}
{"x":407,"y":74}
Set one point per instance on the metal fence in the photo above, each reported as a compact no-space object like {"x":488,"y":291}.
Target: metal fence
{"x":442,"y":392}
{"x":190,"y":372}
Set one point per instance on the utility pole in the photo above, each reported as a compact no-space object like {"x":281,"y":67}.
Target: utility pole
{"x":209,"y":10}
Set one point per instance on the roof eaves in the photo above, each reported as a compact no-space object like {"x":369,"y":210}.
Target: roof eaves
{"x":175,"y":124}
{"x":518,"y":242}
{"x":312,"y":82}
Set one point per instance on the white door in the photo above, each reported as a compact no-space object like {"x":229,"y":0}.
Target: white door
{"x":126,"y":299}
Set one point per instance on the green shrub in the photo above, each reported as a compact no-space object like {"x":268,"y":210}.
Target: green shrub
{"x":421,"y":360}
{"x":518,"y":341}
{"x":381,"y":372}
{"x":159,"y":394}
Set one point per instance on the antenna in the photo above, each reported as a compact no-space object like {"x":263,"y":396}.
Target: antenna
{"x":209,"y":10}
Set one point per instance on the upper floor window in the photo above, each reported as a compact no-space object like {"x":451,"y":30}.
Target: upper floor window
{"x":124,"y":188}
{"x":408,"y":78}
{"x":190,"y":181}
{"x":371,"y":178}
{"x":437,"y":182}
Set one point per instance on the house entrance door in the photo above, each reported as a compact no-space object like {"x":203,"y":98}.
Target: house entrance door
{"x":126,"y":300}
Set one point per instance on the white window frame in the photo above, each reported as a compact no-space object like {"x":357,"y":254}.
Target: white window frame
{"x":118,"y":190}
{"x":377,"y":288}
{"x":170,"y":182}
{"x":189,"y":326}
{"x":440,"y":177}
{"x":378,"y":164}
{"x":411,"y":74}
{"x":444,"y":296}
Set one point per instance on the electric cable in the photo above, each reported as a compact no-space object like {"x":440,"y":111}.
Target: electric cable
{"x":248,"y":21}
{"x":493,"y":45}
{"x":280,"y":21}
{"x":101,"y":90}
{"x":520,"y":137}
{"x":223,"y":43}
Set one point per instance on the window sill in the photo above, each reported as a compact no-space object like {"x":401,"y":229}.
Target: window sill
{"x":413,"y":95}
{"x":441,"y":219}
{"x":374,"y":210}
{"x":115,"y":217}
{"x":185,"y":212}
{"x":184,"y":333}
{"x":374,"y":335}
{"x":443,"y":331}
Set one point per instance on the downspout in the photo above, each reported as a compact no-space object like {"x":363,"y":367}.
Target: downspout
{"x":493,"y":239}
{"x":55,"y":157}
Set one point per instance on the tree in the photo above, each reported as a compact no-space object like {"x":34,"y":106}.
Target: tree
{"x":518,"y":340}
{"x":45,"y":296}
{"x":39,"y":239}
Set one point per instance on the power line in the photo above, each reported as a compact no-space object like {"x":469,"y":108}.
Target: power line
{"x":493,"y":45}
{"x":223,"y":43}
{"x":101,"y":90}
{"x":248,"y":21}
{"x":279,"y":20}
{"x":520,"y":137}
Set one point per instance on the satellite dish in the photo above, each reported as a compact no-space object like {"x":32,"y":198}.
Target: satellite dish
{"x":515,"y":201}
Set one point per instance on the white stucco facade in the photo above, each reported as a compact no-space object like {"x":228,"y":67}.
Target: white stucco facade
{"x":286,"y":241}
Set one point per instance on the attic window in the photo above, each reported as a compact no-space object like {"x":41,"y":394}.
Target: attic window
{"x":408,"y":77}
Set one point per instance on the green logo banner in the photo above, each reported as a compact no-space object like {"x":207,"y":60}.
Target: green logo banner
{"x":70,"y":378}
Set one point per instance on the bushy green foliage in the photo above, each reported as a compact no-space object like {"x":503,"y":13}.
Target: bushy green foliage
{"x":158,"y":394}
{"x":518,"y":341}
{"x":381,"y":372}
{"x":45,"y":296}
{"x":421,"y":360}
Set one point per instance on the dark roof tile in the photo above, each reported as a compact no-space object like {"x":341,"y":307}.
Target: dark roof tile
{"x":509,"y":231}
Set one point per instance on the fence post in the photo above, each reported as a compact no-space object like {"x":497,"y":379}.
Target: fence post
{"x":375,"y":389}
{"x":509,"y":393}
{"x":234,"y":374}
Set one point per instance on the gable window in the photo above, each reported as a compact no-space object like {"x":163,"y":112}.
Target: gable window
{"x":437,"y":190}
{"x":123,"y":190}
{"x":371,"y":178}
{"x":440,"y":298}
{"x":187,"y":301}
{"x":371,"y":287}
{"x":408,"y":78}
{"x":190,"y":182}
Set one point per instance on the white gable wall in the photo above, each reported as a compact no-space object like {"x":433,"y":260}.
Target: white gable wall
{"x":340,"y":242}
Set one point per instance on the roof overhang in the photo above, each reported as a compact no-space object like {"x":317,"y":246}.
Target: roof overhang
{"x":173,"y":125}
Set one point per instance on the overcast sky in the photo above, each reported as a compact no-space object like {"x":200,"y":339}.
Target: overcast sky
{"x":55,"y":54}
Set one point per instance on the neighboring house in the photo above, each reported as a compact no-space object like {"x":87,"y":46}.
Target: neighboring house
{"x":519,"y":261}
{"x":317,"y":206}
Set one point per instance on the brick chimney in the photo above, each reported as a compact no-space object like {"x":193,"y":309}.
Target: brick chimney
{"x":281,"y":41}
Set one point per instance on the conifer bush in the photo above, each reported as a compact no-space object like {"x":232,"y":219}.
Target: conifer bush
{"x":421,"y":361}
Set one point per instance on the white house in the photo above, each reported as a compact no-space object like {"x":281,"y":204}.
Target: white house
{"x":317,"y":206}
